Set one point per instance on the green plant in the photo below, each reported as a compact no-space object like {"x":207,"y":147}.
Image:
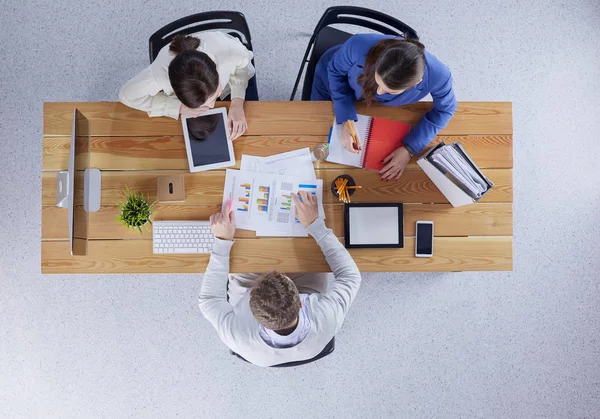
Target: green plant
{"x":135,"y":211}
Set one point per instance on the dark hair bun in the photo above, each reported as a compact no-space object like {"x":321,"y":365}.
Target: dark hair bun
{"x":183,"y":43}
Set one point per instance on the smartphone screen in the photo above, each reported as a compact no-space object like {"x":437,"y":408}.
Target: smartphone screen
{"x":424,"y":239}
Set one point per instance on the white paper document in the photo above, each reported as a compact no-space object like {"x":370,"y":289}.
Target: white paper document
{"x":293,"y":163}
{"x":263,"y":201}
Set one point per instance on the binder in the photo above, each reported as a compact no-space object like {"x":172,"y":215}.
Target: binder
{"x":447,"y":179}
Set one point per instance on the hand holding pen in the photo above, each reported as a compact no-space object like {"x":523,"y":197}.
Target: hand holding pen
{"x":350,"y":137}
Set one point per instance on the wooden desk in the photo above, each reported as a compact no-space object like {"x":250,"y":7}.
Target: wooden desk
{"x":132,"y":150}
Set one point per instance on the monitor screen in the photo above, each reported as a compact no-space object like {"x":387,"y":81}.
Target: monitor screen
{"x":374,"y":226}
{"x":79,"y":216}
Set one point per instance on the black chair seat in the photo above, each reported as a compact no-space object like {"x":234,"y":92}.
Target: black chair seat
{"x":328,"y":37}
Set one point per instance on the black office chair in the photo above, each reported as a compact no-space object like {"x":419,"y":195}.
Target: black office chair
{"x":325,"y":37}
{"x":326,"y":351}
{"x":234,"y":23}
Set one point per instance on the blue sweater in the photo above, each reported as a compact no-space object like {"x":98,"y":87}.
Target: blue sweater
{"x":346,"y":66}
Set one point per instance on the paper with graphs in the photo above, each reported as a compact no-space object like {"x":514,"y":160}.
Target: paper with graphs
{"x":263,"y":201}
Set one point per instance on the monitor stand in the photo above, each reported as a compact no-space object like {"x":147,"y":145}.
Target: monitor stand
{"x":62,"y":189}
{"x":93,"y":186}
{"x":92,"y":189}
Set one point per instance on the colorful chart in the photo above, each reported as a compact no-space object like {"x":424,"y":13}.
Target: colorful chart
{"x":244,"y":201}
{"x":308,"y":188}
{"x":286,"y":202}
{"x":262,"y":200}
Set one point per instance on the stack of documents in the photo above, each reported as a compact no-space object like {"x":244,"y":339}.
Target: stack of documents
{"x":261,"y":192}
{"x":455,"y":174}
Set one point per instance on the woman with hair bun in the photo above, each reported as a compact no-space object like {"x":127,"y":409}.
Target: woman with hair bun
{"x":190,"y":74}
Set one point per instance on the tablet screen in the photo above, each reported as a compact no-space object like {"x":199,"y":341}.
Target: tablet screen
{"x":208,"y":139}
{"x":374,"y":226}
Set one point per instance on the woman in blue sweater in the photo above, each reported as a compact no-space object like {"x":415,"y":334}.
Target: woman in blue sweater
{"x":392,"y":71}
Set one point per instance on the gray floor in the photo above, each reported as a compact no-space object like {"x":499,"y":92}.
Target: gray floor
{"x":520,"y":344}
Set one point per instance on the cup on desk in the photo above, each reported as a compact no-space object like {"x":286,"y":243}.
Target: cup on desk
{"x":320,"y":152}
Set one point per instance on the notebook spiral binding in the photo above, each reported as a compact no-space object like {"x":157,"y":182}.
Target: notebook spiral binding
{"x":366,"y":143}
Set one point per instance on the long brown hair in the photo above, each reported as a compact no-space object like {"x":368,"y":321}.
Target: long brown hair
{"x":399,"y":62}
{"x":193,"y":75}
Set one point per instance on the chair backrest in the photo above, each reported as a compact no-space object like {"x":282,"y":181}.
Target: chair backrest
{"x":234,"y":23}
{"x":367,"y":18}
{"x":329,"y":348}
{"x":324,"y":37}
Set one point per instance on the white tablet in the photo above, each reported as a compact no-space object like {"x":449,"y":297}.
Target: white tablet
{"x":207,"y":141}
{"x":374,"y":225}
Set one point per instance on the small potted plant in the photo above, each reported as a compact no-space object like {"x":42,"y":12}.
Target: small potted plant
{"x":135,"y":211}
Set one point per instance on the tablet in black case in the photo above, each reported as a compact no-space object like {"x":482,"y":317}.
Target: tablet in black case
{"x":378,"y":225}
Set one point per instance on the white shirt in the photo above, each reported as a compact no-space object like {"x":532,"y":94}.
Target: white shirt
{"x":276,"y":340}
{"x":151,"y":89}
{"x":239,"y":330}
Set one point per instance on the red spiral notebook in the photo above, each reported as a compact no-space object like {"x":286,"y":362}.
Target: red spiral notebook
{"x":378,"y":137}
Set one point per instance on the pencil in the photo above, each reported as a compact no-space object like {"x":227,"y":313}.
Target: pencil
{"x":354,"y":137}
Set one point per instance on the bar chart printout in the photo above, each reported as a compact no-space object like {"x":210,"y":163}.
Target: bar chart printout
{"x":244,"y":200}
{"x":263,"y":202}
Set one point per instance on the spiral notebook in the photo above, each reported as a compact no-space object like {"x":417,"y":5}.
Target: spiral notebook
{"x":378,"y":137}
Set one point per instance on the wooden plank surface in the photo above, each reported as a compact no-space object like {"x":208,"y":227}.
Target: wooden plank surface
{"x":133,"y":150}
{"x":168,"y":152}
{"x":471,"y":220}
{"x":413,"y":187}
{"x":298,"y":255}
{"x":274,"y":118}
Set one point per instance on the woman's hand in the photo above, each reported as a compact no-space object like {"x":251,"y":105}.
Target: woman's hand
{"x":192,"y":113}
{"x":396,"y":163}
{"x":237,"y":118}
{"x":347,"y":137}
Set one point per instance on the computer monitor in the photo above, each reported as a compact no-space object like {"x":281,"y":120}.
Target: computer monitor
{"x":78,"y":189}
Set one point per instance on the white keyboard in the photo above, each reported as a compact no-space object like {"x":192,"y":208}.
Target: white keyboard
{"x":182,"y":237}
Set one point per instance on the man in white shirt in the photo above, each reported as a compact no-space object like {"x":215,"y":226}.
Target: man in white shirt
{"x":268,"y":320}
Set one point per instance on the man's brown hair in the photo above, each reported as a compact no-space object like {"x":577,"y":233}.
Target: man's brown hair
{"x":274,"y":301}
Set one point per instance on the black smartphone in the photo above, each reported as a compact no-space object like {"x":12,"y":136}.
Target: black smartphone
{"x":424,"y":242}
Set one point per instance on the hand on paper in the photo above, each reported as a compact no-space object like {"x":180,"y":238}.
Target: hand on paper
{"x":237,"y":118}
{"x":223,"y":223}
{"x":307,"y":209}
{"x":347,"y":137}
{"x":395,"y":164}
{"x":192,"y":113}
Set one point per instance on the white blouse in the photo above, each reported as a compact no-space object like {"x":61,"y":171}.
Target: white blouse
{"x":151,"y":89}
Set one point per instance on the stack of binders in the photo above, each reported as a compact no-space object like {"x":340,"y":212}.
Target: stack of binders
{"x":455,"y":174}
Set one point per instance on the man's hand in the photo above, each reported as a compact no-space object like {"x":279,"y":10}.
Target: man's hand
{"x":347,"y":137}
{"x":237,"y":118}
{"x":307,"y":209}
{"x":396,"y":163}
{"x":223,"y":223}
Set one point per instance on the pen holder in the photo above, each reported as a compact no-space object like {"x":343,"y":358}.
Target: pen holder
{"x":351,"y":182}
{"x":171,"y":188}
